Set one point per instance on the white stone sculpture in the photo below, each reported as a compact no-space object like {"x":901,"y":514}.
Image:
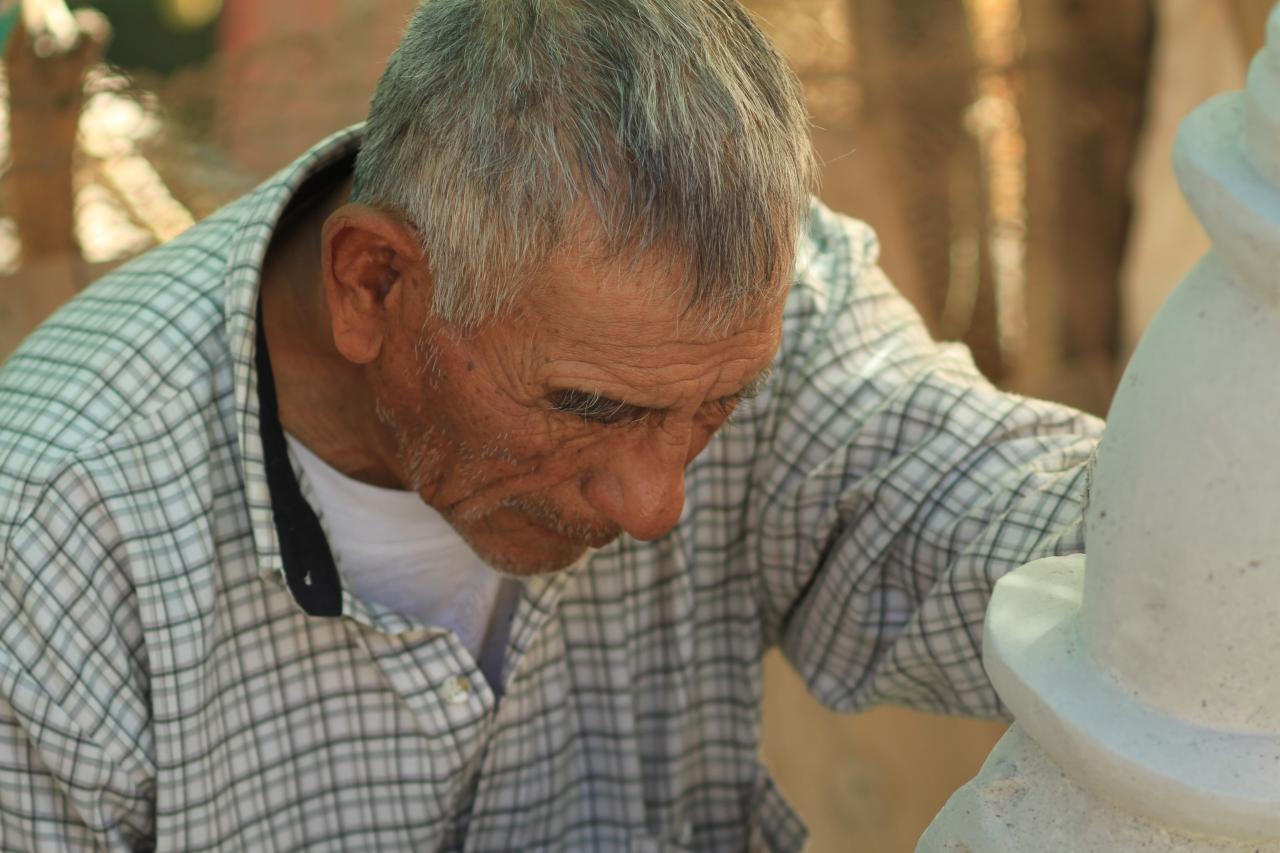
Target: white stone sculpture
{"x":1147,"y":689}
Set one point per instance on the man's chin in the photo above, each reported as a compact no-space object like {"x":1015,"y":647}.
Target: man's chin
{"x":521,"y":543}
{"x":524,"y":565}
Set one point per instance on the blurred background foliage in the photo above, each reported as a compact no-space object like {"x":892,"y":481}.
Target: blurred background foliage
{"x":1012,"y":154}
{"x":160,"y":36}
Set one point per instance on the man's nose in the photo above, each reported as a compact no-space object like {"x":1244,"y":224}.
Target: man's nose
{"x":640,"y":487}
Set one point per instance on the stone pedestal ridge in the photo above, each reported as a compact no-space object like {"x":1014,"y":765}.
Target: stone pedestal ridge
{"x":1147,"y":688}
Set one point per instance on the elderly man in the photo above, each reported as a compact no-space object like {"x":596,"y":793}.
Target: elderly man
{"x":446,"y":491}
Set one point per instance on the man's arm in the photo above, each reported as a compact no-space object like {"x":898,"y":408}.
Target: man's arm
{"x":74,"y":720}
{"x":893,"y":487}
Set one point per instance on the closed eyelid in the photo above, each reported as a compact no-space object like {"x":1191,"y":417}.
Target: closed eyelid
{"x":751,"y":389}
{"x":593,"y":406}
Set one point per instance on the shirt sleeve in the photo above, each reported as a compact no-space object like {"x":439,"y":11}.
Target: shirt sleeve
{"x":74,"y":720}
{"x":892,"y":487}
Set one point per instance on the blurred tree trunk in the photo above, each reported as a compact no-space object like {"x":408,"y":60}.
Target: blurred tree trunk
{"x":1250,"y":18}
{"x":48,"y":54}
{"x":46,"y":92}
{"x":918,"y":70}
{"x":1083,"y":100}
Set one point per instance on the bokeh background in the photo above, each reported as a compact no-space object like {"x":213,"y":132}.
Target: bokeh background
{"x":1014,"y":156}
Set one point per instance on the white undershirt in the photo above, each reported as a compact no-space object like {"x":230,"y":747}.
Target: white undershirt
{"x":393,"y":549}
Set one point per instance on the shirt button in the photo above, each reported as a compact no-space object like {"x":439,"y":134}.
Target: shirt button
{"x":456,"y":689}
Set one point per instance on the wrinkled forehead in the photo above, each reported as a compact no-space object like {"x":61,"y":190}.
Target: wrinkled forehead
{"x":644,"y":352}
{"x":592,"y":269}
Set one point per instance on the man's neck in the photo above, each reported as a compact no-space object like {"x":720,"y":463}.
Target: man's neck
{"x":324,"y":400}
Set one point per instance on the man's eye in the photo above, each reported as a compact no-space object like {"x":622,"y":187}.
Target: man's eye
{"x":593,"y":408}
{"x":727,"y":406}
{"x":721,"y":410}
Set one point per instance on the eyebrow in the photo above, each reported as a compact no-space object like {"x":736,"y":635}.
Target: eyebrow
{"x":596,"y":405}
{"x":754,"y":385}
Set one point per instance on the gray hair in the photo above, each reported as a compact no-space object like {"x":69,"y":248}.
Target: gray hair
{"x":501,"y":127}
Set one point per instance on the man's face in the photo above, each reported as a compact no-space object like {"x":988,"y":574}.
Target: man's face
{"x":572,"y":421}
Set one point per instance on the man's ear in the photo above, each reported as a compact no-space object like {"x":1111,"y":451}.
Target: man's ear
{"x":371,"y":261}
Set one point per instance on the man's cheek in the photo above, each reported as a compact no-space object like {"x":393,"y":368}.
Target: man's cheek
{"x":552,"y":440}
{"x":561,"y":465}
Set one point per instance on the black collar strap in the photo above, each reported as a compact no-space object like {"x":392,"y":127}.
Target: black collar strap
{"x":309,"y":567}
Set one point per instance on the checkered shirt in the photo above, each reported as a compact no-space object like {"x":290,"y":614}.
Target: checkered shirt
{"x":163,"y":686}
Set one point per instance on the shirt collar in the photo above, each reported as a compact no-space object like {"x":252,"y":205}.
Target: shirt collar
{"x":260,"y":212}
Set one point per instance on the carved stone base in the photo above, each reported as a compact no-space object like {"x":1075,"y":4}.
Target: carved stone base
{"x":1021,"y":802}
